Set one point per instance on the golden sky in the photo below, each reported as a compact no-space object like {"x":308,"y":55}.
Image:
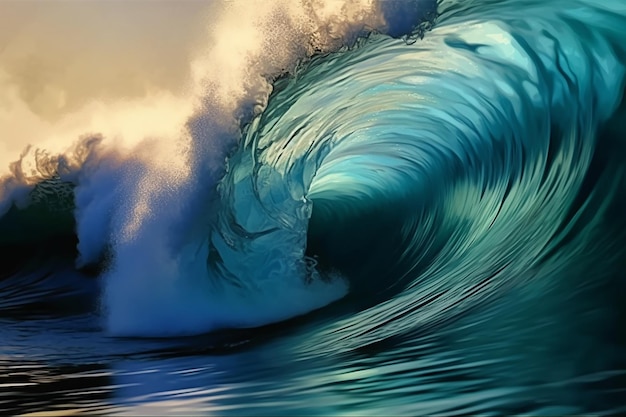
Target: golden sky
{"x":129,"y":69}
{"x":59,"y":53}
{"x":63,"y":60}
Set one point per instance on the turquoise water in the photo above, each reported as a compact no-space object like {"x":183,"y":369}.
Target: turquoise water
{"x":418,"y":225}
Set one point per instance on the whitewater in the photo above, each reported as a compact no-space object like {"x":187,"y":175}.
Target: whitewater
{"x":313,"y":207}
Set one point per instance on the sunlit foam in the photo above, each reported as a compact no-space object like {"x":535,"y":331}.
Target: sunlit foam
{"x":164,"y":89}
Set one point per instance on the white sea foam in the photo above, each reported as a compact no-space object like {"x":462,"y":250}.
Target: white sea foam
{"x":138,"y":104}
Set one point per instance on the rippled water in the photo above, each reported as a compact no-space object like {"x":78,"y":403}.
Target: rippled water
{"x":499,"y":360}
{"x":423,"y":223}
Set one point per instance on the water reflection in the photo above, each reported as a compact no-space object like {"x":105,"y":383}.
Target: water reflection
{"x":555,"y":353}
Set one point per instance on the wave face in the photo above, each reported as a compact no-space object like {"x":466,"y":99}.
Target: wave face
{"x":403,"y":173}
{"x":438,"y":175}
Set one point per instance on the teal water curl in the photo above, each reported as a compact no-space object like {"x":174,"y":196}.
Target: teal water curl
{"x":434,"y":175}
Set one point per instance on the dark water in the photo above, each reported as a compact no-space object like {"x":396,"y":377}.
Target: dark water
{"x":454,"y":200}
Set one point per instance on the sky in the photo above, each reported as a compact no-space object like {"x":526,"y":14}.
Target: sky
{"x":72,"y":66}
{"x":137,"y":70}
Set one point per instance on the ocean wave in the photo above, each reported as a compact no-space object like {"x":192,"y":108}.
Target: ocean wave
{"x":415,"y":177}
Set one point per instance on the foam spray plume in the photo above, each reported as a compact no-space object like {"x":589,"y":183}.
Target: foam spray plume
{"x":145,"y":169}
